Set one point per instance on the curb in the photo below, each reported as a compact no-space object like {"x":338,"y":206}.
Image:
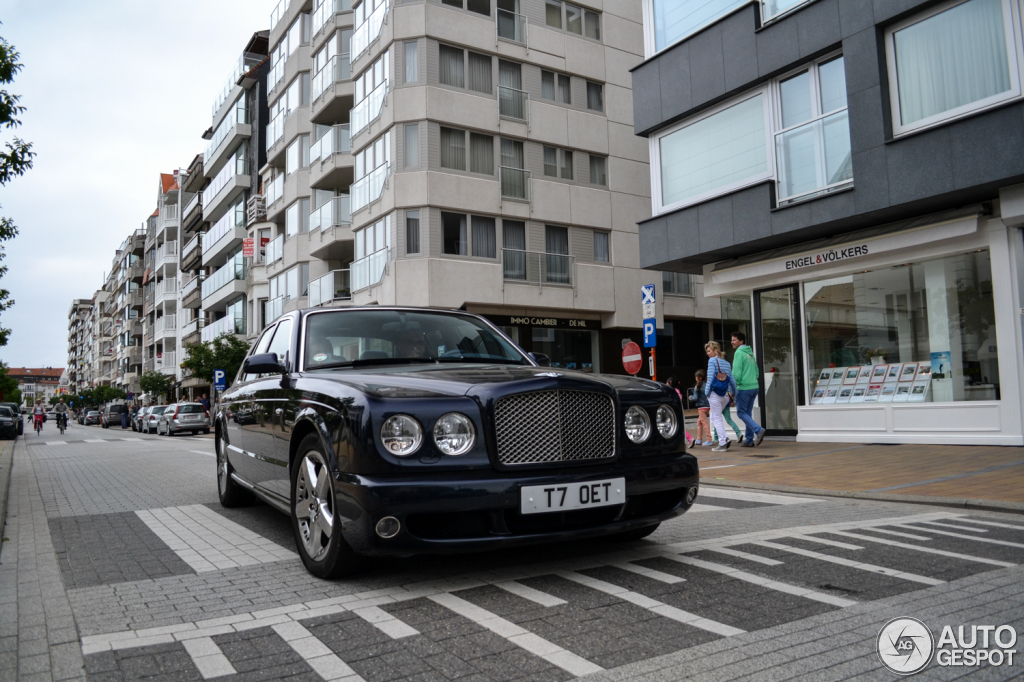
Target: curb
{"x":959,"y":502}
{"x":6,"y":466}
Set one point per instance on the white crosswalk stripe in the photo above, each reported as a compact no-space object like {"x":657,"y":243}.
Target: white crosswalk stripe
{"x":954,"y":526}
{"x":746,"y":555}
{"x":859,"y":565}
{"x":208,"y":657}
{"x":960,"y":536}
{"x":667,"y":578}
{"x":928,"y":550}
{"x":317,"y":655}
{"x":385,"y":622}
{"x":527,"y":592}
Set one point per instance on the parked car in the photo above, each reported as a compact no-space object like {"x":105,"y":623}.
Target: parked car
{"x":92,"y":417}
{"x":395,"y":431}
{"x":112,"y":415}
{"x":183,"y":418}
{"x":18,"y":416}
{"x":8,"y":422}
{"x":152,"y":416}
{"x":136,"y":418}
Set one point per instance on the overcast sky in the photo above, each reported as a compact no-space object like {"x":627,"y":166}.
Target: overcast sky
{"x":116,"y":93}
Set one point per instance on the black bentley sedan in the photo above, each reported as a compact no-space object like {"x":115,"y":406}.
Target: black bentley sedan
{"x":397,"y":431}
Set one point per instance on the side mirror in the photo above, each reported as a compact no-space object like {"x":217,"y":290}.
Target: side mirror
{"x":541,"y":359}
{"x":263,"y":363}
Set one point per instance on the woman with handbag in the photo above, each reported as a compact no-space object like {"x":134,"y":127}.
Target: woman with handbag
{"x":718,"y":388}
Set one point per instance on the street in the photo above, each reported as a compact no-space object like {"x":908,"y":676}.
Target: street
{"x":118,"y":557}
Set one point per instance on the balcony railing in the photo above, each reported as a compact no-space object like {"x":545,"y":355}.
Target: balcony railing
{"x":191,"y":286}
{"x":334,"y":286}
{"x":275,"y":190}
{"x":167,"y":287}
{"x":279,"y":9}
{"x":368,"y":108}
{"x":325,"y":10}
{"x":170,"y":212}
{"x":368,"y":189}
{"x":535,"y":267}
{"x":511,"y":26}
{"x":368,"y":31}
{"x":335,"y":141}
{"x":222,"y":227}
{"x":192,"y":326}
{"x":238,"y":164}
{"x":168,"y":251}
{"x":230,"y":272}
{"x":275,"y":308}
{"x":196,"y":200}
{"x":275,"y":130}
{"x":814,"y":157}
{"x":167,"y":362}
{"x":167,"y":323}
{"x":334,"y":213}
{"x":275,"y":250}
{"x":515,"y":183}
{"x":338,"y":68}
{"x":225,"y":325}
{"x":256,"y":209}
{"x":245,"y":62}
{"x":513,"y":103}
{"x":369,"y":270}
{"x":193,"y":245}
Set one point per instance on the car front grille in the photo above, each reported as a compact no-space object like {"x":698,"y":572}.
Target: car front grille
{"x":554,"y":426}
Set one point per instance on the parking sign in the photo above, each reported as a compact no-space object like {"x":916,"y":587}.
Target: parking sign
{"x":219,"y":379}
{"x":647,"y":299}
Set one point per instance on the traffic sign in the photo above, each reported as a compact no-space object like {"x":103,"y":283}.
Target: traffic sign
{"x":219,"y":379}
{"x":647,"y":298}
{"x":248,"y":247}
{"x":632,"y":359}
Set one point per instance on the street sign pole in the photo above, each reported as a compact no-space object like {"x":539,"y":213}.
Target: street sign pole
{"x":647,"y":300}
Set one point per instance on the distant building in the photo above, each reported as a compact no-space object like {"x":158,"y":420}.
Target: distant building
{"x":36,"y":382}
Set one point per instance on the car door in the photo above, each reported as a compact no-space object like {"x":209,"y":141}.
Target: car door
{"x":237,"y":406}
{"x":268,"y":417}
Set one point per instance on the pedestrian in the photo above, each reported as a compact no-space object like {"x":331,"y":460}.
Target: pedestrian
{"x":124,"y":418}
{"x":727,"y":416}
{"x":746,"y":373}
{"x":674,"y":383}
{"x":205,"y":402}
{"x":717,"y":388}
{"x":703,"y":410}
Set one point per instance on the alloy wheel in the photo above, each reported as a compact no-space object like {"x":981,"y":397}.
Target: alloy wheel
{"x":314,"y":505}
{"x":222,"y":466}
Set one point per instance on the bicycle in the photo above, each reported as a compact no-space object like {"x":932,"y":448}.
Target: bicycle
{"x":62,"y":423}
{"x":39,"y":426}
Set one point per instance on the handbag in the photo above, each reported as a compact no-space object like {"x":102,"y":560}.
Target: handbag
{"x":720,"y":382}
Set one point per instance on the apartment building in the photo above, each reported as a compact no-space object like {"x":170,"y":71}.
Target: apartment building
{"x":125,"y":287}
{"x":79,"y":356}
{"x":40,"y":383}
{"x":474,"y":154}
{"x":846,"y":178}
{"x":160,"y":283}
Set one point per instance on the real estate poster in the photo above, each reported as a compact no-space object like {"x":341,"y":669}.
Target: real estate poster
{"x":888,"y":391}
{"x":924,"y":371}
{"x":909,"y":371}
{"x":865,"y":375}
{"x":941,"y":364}
{"x":858,"y":394}
{"x":902,"y":393}
{"x":894,"y":373}
{"x":844,"y":394}
{"x":872,"y":395}
{"x":878,"y":375}
{"x":919,"y":391}
{"x":817,"y":396}
{"x":837,"y":376}
{"x":851,"y":375}
{"x":830,"y":395}
{"x":824,"y":377}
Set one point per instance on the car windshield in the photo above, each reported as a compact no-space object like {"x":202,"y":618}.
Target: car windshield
{"x":357,"y":338}
{"x":6,"y":412}
{"x":159,"y":410}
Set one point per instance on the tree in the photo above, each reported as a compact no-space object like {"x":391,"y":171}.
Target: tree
{"x":225,"y":352}
{"x":104,"y":394}
{"x":14,"y":161}
{"x":156,"y":383}
{"x":9,"y":391}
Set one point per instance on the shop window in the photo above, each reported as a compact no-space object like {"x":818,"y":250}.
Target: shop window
{"x":918,"y":332}
{"x":568,"y":348}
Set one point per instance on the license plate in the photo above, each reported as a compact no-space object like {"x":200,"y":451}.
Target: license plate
{"x":538,"y":499}
{"x":191,"y":417}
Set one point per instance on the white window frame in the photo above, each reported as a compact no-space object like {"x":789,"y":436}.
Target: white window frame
{"x":657,"y":208}
{"x":1014,"y":40}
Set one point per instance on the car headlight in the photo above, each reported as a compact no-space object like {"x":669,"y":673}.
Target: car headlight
{"x":638,"y":424}
{"x":401,"y":435}
{"x":454,"y":434}
{"x":667,"y":422}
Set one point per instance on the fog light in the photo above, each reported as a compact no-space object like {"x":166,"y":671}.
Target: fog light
{"x":691,"y":495}
{"x":388,"y":527}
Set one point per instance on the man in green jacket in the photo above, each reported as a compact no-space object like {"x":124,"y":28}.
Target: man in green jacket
{"x":744,"y":370}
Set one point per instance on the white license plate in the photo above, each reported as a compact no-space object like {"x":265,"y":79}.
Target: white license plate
{"x":191,"y":417}
{"x":538,"y":499}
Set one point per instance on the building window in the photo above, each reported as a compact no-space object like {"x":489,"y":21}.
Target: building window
{"x":483,"y":237}
{"x":412,"y":145}
{"x":556,"y":160}
{"x":296,"y":218}
{"x":573,"y":18}
{"x":677,"y":283}
{"x":674,"y":20}
{"x":453,"y":149}
{"x":372,"y":238}
{"x":297,"y":155}
{"x":551,"y":162}
{"x":595,"y":96}
{"x":453,"y":226}
{"x":951,"y":61}
{"x":917,"y":332}
{"x":812,"y":147}
{"x":481,"y":154}
{"x":451,"y":67}
{"x":455,"y":64}
{"x":601,"y":254}
{"x":412,"y":231}
{"x":373,"y":156}
{"x":598,"y":175}
{"x":479,"y":6}
{"x":555,"y":87}
{"x":480,"y":73}
{"x":412,"y":62}
{"x":557,"y":260}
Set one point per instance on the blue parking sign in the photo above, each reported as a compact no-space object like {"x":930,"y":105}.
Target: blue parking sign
{"x":219,"y":379}
{"x":647,"y":299}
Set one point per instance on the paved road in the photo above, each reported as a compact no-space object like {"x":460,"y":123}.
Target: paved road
{"x":119,"y":559}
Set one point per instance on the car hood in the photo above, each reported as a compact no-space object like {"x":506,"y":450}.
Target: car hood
{"x":424,"y":381}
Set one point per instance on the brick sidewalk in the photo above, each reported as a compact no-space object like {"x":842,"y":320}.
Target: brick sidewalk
{"x":988,"y":473}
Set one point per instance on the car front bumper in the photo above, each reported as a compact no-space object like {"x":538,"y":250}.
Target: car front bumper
{"x":450,"y":513}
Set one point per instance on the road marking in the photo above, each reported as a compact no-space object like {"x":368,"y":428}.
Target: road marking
{"x":745,"y":555}
{"x":830,"y":543}
{"x":708,"y":508}
{"x":56,"y":442}
{"x":871,"y":568}
{"x":652,"y":605}
{"x":385,"y":622}
{"x":764,"y":582}
{"x":200,"y":452}
{"x":723,"y":466}
{"x":317,"y":655}
{"x":953,"y":525}
{"x":987,"y":523}
{"x":990,"y":541}
{"x":131,"y":439}
{"x":929,"y":550}
{"x":650,"y":573}
{"x":549,"y":651}
{"x":208,"y":657}
{"x":94,"y":440}
{"x":207,"y":541}
{"x":747,"y":496}
{"x":898,"y":534}
{"x":536,"y":596}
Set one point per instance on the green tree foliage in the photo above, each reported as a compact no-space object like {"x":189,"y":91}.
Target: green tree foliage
{"x":225,"y":352}
{"x":15,"y":159}
{"x":105,"y":394}
{"x":156,"y":383}
{"x":9,"y":391}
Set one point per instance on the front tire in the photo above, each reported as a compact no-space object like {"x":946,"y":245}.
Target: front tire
{"x":315,"y":519}
{"x":230,"y":492}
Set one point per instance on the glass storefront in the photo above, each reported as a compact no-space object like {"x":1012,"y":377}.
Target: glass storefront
{"x":569,"y":343}
{"x":914,"y":332}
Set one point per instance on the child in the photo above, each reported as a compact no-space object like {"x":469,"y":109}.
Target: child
{"x":703,"y":410}
{"x":672,"y":383}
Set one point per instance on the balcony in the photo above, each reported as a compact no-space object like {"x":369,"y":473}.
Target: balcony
{"x":368,"y":109}
{"x":165,"y":326}
{"x":514,"y":104}
{"x":225,"y":325}
{"x":515,"y":183}
{"x":367,"y":32}
{"x":135,"y":299}
{"x":369,"y":188}
{"x":275,"y":130}
{"x":167,"y":254}
{"x":331,"y":164}
{"x":275,"y":308}
{"x":136,"y":271}
{"x":325,"y":10}
{"x":193,"y":211}
{"x":222,"y":237}
{"x":334,"y":286}
{"x":334,"y":213}
{"x":135,"y":327}
{"x":191,"y":253}
{"x":275,"y":250}
{"x":278,"y":12}
{"x":370,"y":270}
{"x":192,"y":293}
{"x":245,"y":63}
{"x":538,"y":268}
{"x":167,"y":362}
{"x":223,"y":284}
{"x":276,"y":73}
{"x":511,"y":26}
{"x":191,"y":331}
{"x":169,"y":216}
{"x":337,"y":69}
{"x":332,"y":91}
{"x":255,"y":209}
{"x":274,"y":191}
{"x":227,"y":185}
{"x":166,"y":290}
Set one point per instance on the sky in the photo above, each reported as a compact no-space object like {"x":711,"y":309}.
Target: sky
{"x":116,"y":92}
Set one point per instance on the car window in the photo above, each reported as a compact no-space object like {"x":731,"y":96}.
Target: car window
{"x":6,"y":412}
{"x":190,"y":409}
{"x":259,"y":347}
{"x":159,"y":410}
{"x":282,"y":340}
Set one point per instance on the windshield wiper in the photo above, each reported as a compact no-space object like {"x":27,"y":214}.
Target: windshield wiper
{"x":375,"y":361}
{"x":481,"y":360}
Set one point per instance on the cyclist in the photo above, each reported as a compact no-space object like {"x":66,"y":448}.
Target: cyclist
{"x":62,"y":415}
{"x":38,"y":414}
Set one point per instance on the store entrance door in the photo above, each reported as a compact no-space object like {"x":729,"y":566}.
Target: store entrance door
{"x":776,"y":316}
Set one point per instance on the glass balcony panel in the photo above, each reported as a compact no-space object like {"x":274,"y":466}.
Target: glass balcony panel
{"x":368,"y":108}
{"x":334,"y":213}
{"x":325,"y":10}
{"x":196,"y":200}
{"x":231,"y":271}
{"x":275,"y":308}
{"x":368,"y":189}
{"x":814,"y":157}
{"x":274,"y":190}
{"x":513,"y":103}
{"x":515,"y":183}
{"x":369,"y":270}
{"x":368,"y":31}
{"x":334,"y":286}
{"x":191,"y":286}
{"x":338,"y":68}
{"x":335,"y":141}
{"x":225,"y":325}
{"x":275,"y":130}
{"x":511,"y":26}
{"x":275,"y":249}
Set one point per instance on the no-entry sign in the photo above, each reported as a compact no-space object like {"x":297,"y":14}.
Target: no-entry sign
{"x":632,"y":359}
